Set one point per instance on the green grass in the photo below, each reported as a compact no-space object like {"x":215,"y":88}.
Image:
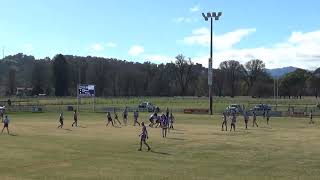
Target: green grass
{"x":178,"y":103}
{"x":198,"y":149}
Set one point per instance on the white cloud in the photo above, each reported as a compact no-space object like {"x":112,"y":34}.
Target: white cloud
{"x":97,"y":47}
{"x":195,"y":8}
{"x":201,"y":36}
{"x":185,"y":20}
{"x":299,"y":50}
{"x":136,"y":50}
{"x":111,"y":45}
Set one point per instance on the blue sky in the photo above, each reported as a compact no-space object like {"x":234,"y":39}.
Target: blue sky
{"x":282,"y":33}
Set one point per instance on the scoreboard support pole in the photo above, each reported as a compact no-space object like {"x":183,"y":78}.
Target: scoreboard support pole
{"x":94,"y":103}
{"x":78,"y":98}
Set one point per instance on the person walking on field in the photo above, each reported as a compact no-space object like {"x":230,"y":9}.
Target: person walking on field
{"x":61,"y":120}
{"x":233,"y":122}
{"x":75,"y":119}
{"x":268,"y":117}
{"x":167,"y":112}
{"x":224,"y":121}
{"x":6,"y":122}
{"x":109,"y":119}
{"x":143,"y":137}
{"x":246,"y":119}
{"x":158,"y":121}
{"x":254,"y":119}
{"x":1,"y":115}
{"x":125,"y":116}
{"x":135,"y":117}
{"x":164,"y":125}
{"x":171,"y":121}
{"x":152,"y":117}
{"x":311,"y":117}
{"x":116,"y":119}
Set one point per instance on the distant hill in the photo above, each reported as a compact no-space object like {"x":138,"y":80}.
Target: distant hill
{"x":278,"y":72}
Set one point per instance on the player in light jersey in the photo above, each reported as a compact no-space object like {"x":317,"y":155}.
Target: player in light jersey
{"x":143,"y":137}
{"x":6,"y":122}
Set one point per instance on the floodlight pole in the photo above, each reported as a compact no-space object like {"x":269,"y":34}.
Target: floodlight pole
{"x":210,"y":69}
{"x":206,"y":17}
{"x":78,"y":86}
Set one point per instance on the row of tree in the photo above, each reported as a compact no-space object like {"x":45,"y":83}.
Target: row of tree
{"x":61,"y":75}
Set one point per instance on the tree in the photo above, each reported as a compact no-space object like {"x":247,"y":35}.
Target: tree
{"x":254,"y":68}
{"x":60,"y":72}
{"x":12,"y":81}
{"x":233,"y":71}
{"x":218,"y":82}
{"x":183,"y":73}
{"x":294,"y":83}
{"x":315,"y":83}
{"x":41,"y":77}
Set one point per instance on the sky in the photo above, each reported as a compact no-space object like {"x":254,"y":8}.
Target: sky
{"x":280,"y":32}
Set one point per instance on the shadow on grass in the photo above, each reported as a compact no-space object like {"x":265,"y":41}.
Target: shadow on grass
{"x":68,"y":129}
{"x":176,"y":132}
{"x":161,"y":153}
{"x":265,"y":127}
{"x":13,"y":134}
{"x":180,"y":130}
{"x":232,"y":133}
{"x":82,"y":126}
{"x":179,"y":139}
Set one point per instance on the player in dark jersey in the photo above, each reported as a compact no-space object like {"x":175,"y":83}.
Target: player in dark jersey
{"x":268,"y":116}
{"x":311,"y":117}
{"x":116,"y":119}
{"x":254,"y":119}
{"x":171,"y":119}
{"x":233,"y":121}
{"x":75,"y":119}
{"x":61,"y":120}
{"x":143,"y":137}
{"x":135,"y":117}
{"x":224,"y":121}
{"x":125,"y":116}
{"x":246,"y":118}
{"x":152,"y":118}
{"x":109,"y":119}
{"x":6,"y":122}
{"x":1,"y":114}
{"x":158,"y":121}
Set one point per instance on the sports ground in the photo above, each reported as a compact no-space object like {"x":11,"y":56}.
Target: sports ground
{"x":196,"y":149}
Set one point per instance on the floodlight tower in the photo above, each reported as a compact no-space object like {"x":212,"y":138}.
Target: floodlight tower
{"x":216,"y":17}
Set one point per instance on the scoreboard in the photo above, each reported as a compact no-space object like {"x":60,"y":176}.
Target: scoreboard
{"x":86,"y":90}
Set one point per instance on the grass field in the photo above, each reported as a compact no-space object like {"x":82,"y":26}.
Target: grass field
{"x":177,"y":103}
{"x":197,"y":149}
